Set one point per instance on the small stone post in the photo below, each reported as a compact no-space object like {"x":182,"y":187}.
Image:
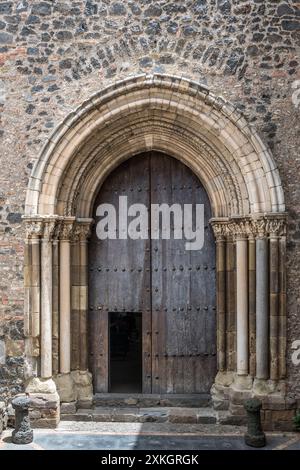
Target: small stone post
{"x":22,"y":433}
{"x":255,"y":437}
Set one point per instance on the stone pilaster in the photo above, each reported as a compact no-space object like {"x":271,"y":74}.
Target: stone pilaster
{"x":32,"y":264}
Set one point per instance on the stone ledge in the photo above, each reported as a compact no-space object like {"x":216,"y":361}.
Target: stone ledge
{"x":144,"y":415}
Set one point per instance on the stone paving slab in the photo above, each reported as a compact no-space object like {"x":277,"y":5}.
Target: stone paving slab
{"x":146,"y":436}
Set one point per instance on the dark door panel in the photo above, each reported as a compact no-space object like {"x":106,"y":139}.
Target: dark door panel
{"x":171,"y":287}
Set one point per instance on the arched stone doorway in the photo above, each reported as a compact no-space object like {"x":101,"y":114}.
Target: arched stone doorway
{"x":154,"y":280}
{"x":186,"y":121}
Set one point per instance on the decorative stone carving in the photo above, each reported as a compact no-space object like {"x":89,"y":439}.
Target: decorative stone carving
{"x":81,"y":230}
{"x":239,"y":229}
{"x":22,"y":433}
{"x":255,"y":437}
{"x":220,"y":230}
{"x":249,"y":228}
{"x":34,"y":228}
{"x":277,"y":227}
{"x":66,"y":228}
{"x":49,"y":228}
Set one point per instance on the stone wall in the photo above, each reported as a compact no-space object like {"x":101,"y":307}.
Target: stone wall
{"x":56,"y":54}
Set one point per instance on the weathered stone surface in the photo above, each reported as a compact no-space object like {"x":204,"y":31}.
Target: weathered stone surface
{"x":22,"y":433}
{"x":255,"y":436}
{"x":43,"y":386}
{"x":210,"y":42}
{"x":68,"y":408}
{"x":3,"y":416}
{"x":83,"y":385}
{"x":65,"y":387}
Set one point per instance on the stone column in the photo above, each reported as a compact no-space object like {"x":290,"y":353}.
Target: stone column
{"x":262,"y":293}
{"x":55,"y":302}
{"x":274,"y":298}
{"x":221,"y":303}
{"x":46,"y":298}
{"x":84,"y":233}
{"x":221,"y":297}
{"x":282,"y":305}
{"x":230,"y":304}
{"x":242,"y":300}
{"x":252,"y":303}
{"x":75,"y":283}
{"x":65,"y":296}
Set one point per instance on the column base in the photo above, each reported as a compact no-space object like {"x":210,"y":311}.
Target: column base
{"x":45,"y":409}
{"x":75,"y":387}
{"x":230,"y":391}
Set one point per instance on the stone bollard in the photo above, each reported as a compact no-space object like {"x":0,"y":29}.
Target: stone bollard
{"x":22,"y":433}
{"x":255,"y":437}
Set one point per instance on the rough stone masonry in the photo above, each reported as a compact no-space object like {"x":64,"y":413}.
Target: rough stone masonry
{"x":56,"y":54}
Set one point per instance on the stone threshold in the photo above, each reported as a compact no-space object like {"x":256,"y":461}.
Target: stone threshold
{"x":197,"y":400}
{"x":144,"y":415}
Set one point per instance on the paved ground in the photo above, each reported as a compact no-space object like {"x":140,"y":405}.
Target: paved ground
{"x":147,"y":436}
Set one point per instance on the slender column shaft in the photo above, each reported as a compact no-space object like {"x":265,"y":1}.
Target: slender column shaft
{"x":262,"y":323}
{"x":75,"y":324}
{"x":252,"y":306}
{"x":242,"y":305}
{"x":83,"y":305}
{"x":55,"y":308}
{"x":282,"y":308}
{"x":230,"y":306}
{"x":27,"y":288}
{"x":274,"y":306}
{"x":35,"y":286}
{"x":221,"y":303}
{"x":46,"y":309}
{"x":65,"y":307}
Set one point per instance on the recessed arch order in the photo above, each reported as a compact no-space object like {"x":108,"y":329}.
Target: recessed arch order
{"x":169,"y":114}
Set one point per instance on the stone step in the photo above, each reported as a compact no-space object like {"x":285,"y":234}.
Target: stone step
{"x":152,"y":400}
{"x":144,"y":415}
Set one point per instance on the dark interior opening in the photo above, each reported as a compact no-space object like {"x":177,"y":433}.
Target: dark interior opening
{"x":125,"y":352}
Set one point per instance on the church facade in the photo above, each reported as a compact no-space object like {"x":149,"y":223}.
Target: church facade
{"x":191,"y":103}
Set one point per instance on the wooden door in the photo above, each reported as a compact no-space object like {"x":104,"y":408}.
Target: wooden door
{"x":119,"y":270}
{"x":174,"y":289}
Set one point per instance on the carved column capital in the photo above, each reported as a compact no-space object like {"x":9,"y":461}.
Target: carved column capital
{"x":50,"y":225}
{"x":260,"y":228}
{"x":239,"y":229}
{"x":34,"y":228}
{"x":83,"y":229}
{"x":66,"y":227}
{"x":277,"y":227}
{"x":220,"y":230}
